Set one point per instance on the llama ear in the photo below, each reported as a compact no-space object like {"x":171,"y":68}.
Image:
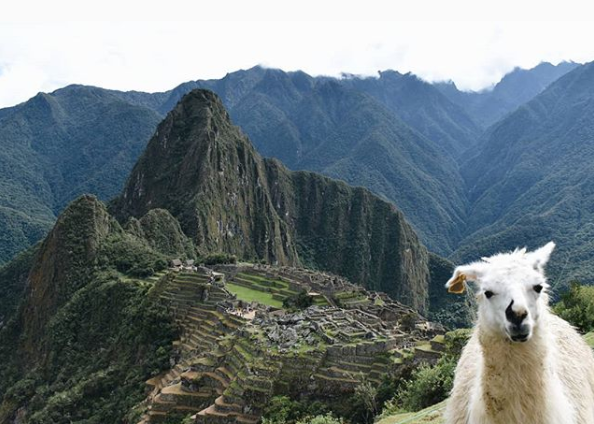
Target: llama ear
{"x":540,"y":257}
{"x":457,"y":284}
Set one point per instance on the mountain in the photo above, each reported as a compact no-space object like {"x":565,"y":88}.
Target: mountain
{"x":515,"y":88}
{"x":335,"y":128}
{"x":227,"y":198}
{"x":325,"y":127}
{"x":87,"y":325}
{"x":55,"y":147}
{"x":423,"y":107}
{"x":531,"y":179}
{"x":87,"y":333}
{"x":86,"y":139}
{"x":90,"y":331}
{"x":395,"y":134}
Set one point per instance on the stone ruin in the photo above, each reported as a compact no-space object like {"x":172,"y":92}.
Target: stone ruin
{"x":229,"y":365}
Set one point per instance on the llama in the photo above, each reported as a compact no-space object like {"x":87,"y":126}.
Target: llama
{"x":522,"y":364}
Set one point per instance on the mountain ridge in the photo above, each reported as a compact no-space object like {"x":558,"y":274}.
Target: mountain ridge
{"x":49,"y":156}
{"x":531,"y":179}
{"x":380,"y":133}
{"x":517,"y":87}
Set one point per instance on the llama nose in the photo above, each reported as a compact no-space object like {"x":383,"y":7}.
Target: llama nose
{"x":515,"y":317}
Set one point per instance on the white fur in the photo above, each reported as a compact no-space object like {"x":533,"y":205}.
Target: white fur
{"x":548,"y":379}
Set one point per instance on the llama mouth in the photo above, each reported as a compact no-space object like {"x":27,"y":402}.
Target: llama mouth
{"x":521,"y":338}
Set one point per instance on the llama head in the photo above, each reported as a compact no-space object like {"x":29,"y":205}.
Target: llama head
{"x":511,"y":291}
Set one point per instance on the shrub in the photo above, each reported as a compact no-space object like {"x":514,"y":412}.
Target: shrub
{"x":284,"y":410}
{"x":300,"y":300}
{"x":321,"y":419}
{"x":281,"y":409}
{"x":219,"y":258}
{"x":363,"y":404}
{"x":428,"y":385}
{"x":577,"y":306}
{"x":141,"y":271}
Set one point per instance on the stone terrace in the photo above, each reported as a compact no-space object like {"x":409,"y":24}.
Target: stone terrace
{"x":227,"y":368}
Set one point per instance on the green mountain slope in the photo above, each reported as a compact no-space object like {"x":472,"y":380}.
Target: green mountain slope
{"x":348,"y":135}
{"x":55,"y":147}
{"x":227,"y":198}
{"x":422,"y":107}
{"x":87,"y":333}
{"x":532,"y":182}
{"x":516,"y":88}
{"x":85,"y":139}
{"x":367,"y":132}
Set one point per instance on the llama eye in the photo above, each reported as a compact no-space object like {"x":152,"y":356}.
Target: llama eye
{"x":489,"y":294}
{"x":537,"y":288}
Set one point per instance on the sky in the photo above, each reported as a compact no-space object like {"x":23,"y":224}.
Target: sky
{"x":154,"y":46}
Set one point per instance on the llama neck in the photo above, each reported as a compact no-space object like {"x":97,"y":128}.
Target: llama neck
{"x":513,"y":377}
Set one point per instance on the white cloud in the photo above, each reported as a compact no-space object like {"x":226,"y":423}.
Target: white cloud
{"x":132,"y":53}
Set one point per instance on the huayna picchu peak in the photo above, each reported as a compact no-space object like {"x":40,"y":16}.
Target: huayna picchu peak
{"x":206,"y":173}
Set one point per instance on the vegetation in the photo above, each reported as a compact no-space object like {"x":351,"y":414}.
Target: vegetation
{"x":130,"y":255}
{"x":283,"y":410}
{"x":323,"y":213}
{"x":83,"y":350}
{"x":516,"y":88}
{"x":451,"y":310}
{"x":531,"y":180}
{"x":430,"y":415}
{"x":218,"y":258}
{"x":300,"y":300}
{"x":104,"y":344}
{"x":429,"y":385}
{"x":577,"y":307}
{"x":57,"y":146}
{"x":252,"y":295}
{"x":401,"y":140}
{"x":79,"y":346}
{"x":13,"y":277}
{"x":321,"y":419}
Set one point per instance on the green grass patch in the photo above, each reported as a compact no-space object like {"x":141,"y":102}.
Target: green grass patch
{"x":590,"y":339}
{"x":251,"y":295}
{"x":258,"y":279}
{"x":431,"y":415}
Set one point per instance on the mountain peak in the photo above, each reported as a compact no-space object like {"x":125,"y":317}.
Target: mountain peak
{"x":202,"y":105}
{"x":204,"y":170}
{"x":227,"y":198}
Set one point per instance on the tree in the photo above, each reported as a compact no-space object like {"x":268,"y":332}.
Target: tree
{"x":300,"y":300}
{"x":577,"y":306}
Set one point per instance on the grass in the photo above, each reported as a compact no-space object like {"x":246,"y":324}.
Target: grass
{"x":590,"y":339}
{"x":251,"y":295}
{"x":440,"y":338}
{"x":259,"y":279}
{"x":379,"y":302}
{"x":320,"y":301}
{"x":431,"y":415}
